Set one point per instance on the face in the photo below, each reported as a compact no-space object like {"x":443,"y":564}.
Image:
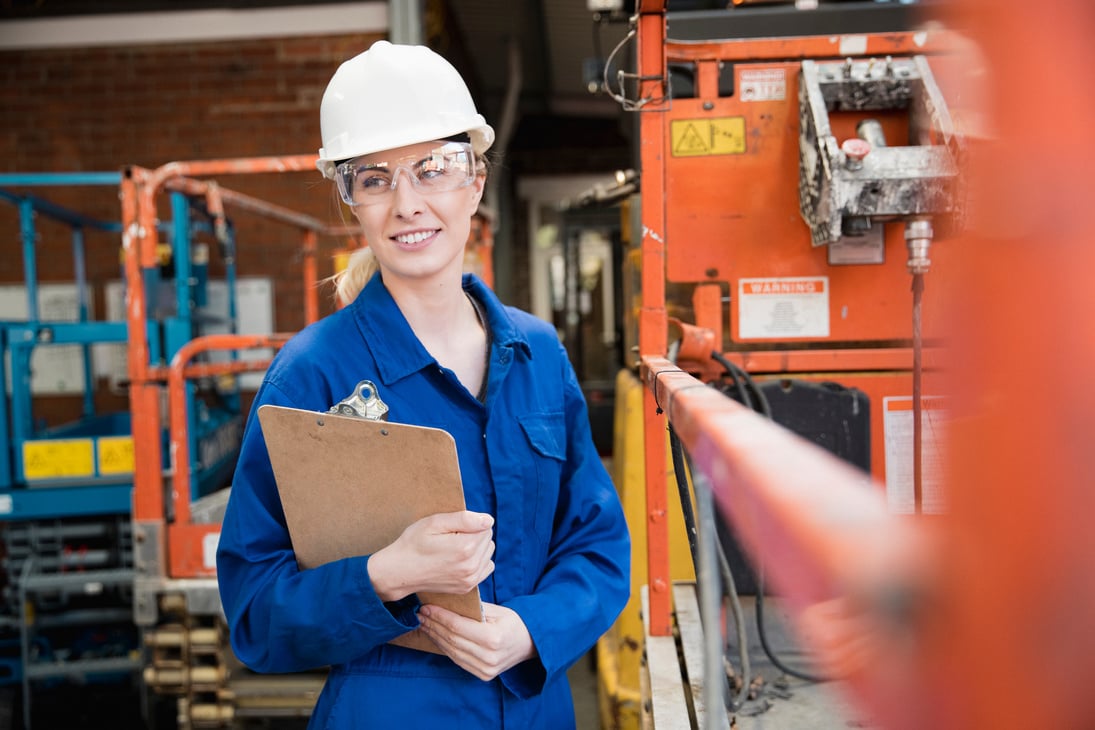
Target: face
{"x":416,"y":233}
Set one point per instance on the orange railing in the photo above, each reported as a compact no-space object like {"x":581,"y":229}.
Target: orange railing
{"x":181,"y":540}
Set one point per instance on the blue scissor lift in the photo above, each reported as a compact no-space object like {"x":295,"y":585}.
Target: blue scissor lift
{"x":66,"y":610}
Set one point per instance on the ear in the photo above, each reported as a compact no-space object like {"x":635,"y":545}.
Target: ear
{"x":478,"y":188}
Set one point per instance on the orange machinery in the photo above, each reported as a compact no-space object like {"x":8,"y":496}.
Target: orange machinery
{"x":932,"y":623}
{"x":176,"y":603}
{"x":776,"y":204}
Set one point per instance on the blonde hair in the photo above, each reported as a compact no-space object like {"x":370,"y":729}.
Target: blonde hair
{"x":350,"y":281}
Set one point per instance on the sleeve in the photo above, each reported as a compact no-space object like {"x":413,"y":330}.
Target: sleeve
{"x":281,"y":618}
{"x":586,"y":582}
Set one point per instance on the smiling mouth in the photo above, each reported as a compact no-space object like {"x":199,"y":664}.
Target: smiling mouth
{"x":410,"y":239}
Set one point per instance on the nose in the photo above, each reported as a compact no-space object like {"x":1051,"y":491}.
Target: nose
{"x":406,"y":200}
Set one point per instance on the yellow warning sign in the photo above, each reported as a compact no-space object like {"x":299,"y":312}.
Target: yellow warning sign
{"x":58,"y":458}
{"x":115,"y":455}
{"x":697,"y":137}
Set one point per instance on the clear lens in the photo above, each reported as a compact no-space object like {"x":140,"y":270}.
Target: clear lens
{"x":444,"y":168}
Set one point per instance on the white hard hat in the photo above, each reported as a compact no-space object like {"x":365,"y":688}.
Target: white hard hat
{"x":391,"y":96}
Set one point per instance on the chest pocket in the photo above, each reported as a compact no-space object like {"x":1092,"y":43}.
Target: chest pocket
{"x":546,"y":434}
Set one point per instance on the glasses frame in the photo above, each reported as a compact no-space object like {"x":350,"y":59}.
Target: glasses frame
{"x":346,"y":172}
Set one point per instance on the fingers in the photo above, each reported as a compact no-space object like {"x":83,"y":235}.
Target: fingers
{"x":470,"y":565}
{"x":484,"y":648}
{"x":459,"y":638}
{"x":465,"y":521}
{"x":443,"y":553}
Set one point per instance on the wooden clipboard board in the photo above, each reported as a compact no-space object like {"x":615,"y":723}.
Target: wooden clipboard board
{"x":350,"y":486}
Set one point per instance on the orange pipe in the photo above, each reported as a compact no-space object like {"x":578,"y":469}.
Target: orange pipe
{"x":144,"y":403}
{"x":250,"y":204}
{"x":806,"y":511}
{"x":153,"y":180}
{"x":846,"y":568}
{"x":139,"y":188}
{"x":311,"y":278}
{"x":178,"y":372}
{"x":653,"y":319}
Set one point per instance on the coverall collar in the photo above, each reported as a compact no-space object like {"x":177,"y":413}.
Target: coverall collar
{"x":382,"y":323}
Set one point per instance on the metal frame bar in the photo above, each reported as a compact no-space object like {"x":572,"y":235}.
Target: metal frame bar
{"x":653,"y":84}
{"x":831,"y":548}
{"x":182,"y":541}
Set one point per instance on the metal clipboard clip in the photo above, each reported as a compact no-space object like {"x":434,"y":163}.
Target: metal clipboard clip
{"x":362,"y":403}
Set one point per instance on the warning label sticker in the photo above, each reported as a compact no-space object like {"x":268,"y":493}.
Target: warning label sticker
{"x":115,"y":455}
{"x":51,"y":459}
{"x":897,"y":430}
{"x":763,"y":84}
{"x":793,"y":306}
{"x":697,"y":137}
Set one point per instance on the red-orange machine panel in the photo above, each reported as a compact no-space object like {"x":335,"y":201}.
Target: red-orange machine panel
{"x":732,"y":210}
{"x":795,"y":272}
{"x":841,"y":312}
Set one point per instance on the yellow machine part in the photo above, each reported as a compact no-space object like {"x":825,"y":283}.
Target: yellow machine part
{"x":619,"y":652}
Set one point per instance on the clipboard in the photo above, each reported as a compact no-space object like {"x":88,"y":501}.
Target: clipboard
{"x":350,"y":486}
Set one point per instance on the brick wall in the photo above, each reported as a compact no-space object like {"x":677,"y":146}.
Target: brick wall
{"x":69,"y":110}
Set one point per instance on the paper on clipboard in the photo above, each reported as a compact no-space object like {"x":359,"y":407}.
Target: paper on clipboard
{"x":350,"y":486}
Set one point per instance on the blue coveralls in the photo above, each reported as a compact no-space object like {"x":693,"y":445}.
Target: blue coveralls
{"x":526,"y":457}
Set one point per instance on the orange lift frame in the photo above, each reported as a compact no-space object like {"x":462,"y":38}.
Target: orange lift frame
{"x":179,"y":548}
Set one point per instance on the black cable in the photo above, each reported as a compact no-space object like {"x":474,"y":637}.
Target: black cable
{"x":744,"y":383}
{"x":739,"y":626}
{"x":732,"y":371}
{"x":682,"y":489}
{"x":735,"y":372}
{"x":763,"y":634}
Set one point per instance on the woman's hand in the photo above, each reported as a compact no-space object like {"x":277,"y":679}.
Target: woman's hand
{"x":443,"y":553}
{"x":486,"y":648}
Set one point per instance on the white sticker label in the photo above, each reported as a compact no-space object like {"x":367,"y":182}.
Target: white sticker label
{"x":853,"y":45}
{"x":7,"y":504}
{"x":763,"y":84}
{"x":209,"y":550}
{"x":897,"y":429}
{"x":793,"y":306}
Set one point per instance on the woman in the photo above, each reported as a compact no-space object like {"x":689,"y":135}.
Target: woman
{"x":543,"y":536}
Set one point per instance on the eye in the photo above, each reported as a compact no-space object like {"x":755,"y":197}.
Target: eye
{"x":372,"y":179}
{"x":431,"y":169}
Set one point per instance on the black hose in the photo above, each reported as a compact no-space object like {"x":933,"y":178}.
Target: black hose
{"x":739,"y":376}
{"x":763,"y":634}
{"x":682,"y":489}
{"x":732,"y":370}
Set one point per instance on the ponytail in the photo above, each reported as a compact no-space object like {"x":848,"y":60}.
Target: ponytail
{"x":350,"y":281}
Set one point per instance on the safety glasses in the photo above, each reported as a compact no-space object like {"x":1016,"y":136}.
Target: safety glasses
{"x":444,"y":168}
